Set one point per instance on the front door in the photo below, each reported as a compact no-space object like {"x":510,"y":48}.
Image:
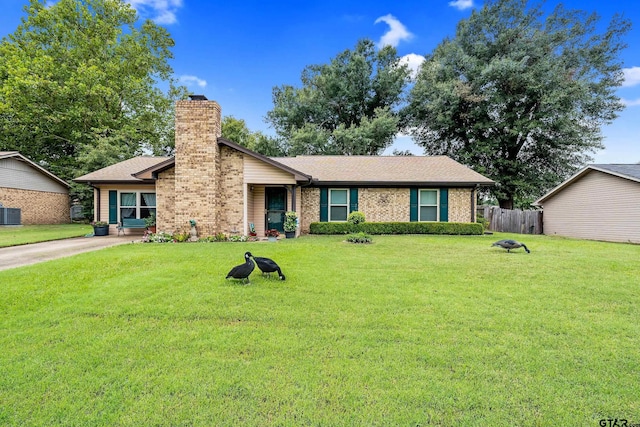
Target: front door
{"x":276,"y":206}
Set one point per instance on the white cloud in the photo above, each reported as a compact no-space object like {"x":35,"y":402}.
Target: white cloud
{"x":461,"y":4}
{"x":631,"y":102}
{"x":413,"y":61}
{"x":397,"y":32}
{"x":631,"y":76}
{"x":162,"y":11}
{"x":192,"y":80}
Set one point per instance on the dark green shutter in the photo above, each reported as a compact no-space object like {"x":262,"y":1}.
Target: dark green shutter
{"x":353,"y":199}
{"x":324,"y":205}
{"x":413,"y":204}
{"x":444,"y":205}
{"x":113,"y":207}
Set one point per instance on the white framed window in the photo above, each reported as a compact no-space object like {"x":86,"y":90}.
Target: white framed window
{"x":428,"y":205}
{"x":338,"y":204}
{"x":136,"y":204}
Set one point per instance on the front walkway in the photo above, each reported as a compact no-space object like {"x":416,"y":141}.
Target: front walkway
{"x":18,"y":256}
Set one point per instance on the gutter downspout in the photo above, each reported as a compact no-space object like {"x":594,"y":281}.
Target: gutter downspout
{"x":474,"y":192}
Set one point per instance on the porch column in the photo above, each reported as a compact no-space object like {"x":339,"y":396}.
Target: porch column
{"x":293,"y":198}
{"x":245,"y":209}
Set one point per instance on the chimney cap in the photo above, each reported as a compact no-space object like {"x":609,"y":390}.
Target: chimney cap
{"x":198,"y":97}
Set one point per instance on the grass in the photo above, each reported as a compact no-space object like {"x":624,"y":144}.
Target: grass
{"x":12,"y":235}
{"x":409,"y":330}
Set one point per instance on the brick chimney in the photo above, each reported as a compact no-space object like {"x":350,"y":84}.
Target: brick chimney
{"x":197,"y":165}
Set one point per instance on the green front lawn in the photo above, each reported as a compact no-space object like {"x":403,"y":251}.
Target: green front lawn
{"x":12,"y":236}
{"x":410,"y":330}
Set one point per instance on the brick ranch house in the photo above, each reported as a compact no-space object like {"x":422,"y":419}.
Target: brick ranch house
{"x":226,"y":187}
{"x":42,"y":197}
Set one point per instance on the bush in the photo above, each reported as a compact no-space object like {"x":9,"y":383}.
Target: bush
{"x":181,"y":237}
{"x":220,"y":237}
{"x":455,"y":228}
{"x":355,"y":217}
{"x":157,"y":238}
{"x":359,"y":238}
{"x":484,"y":222}
{"x":331,"y":228}
{"x":290,"y":221}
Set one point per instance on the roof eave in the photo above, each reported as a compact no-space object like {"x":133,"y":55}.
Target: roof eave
{"x":404,"y":183}
{"x":113,"y":181}
{"x":157,"y":168}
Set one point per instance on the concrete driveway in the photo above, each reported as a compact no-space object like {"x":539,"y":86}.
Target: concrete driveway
{"x":18,"y":256}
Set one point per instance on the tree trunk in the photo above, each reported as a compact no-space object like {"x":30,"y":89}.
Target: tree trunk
{"x":506,"y":203}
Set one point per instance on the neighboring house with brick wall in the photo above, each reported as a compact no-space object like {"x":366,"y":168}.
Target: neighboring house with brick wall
{"x":599,"y":202}
{"x":42,"y":197}
{"x":226,"y":187}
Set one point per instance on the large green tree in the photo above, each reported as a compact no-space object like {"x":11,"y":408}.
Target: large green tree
{"x":345,"y":107}
{"x":79,"y":86}
{"x":236,"y":130}
{"x":519,"y":95}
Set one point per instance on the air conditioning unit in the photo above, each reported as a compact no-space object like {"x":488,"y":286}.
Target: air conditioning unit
{"x":10,"y":216}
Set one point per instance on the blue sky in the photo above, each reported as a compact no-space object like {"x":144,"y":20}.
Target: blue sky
{"x":236,"y":52}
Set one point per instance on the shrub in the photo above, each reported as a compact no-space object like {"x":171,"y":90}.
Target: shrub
{"x":359,"y":238}
{"x":355,"y":217}
{"x":157,"y":238}
{"x":484,"y":222}
{"x":331,"y":228}
{"x":290,"y":221}
{"x":150,"y":221}
{"x":238,"y":238}
{"x":181,"y":237}
{"x":220,"y":237}
{"x":456,"y":228}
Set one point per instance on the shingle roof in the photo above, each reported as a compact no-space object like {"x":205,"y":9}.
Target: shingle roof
{"x":122,"y":171}
{"x":385,"y":169}
{"x":626,"y":171}
{"x":374,"y":170}
{"x":629,"y":170}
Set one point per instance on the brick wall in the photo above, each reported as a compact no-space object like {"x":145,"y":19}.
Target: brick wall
{"x":384,"y":204}
{"x":310,"y":207}
{"x":231,"y":191}
{"x":37,"y":207}
{"x":166,"y":202}
{"x":460,"y":205}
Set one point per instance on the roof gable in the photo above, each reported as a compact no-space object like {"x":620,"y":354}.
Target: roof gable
{"x":19,"y":157}
{"x":170,"y":162}
{"x":123,"y":172}
{"x":629,"y":171}
{"x":624,"y":171}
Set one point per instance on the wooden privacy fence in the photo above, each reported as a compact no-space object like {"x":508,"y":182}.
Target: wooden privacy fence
{"x":512,"y":220}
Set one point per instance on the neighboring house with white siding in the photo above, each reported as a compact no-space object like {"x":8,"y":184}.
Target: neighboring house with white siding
{"x":225,"y":187}
{"x":600,"y":202}
{"x":42,"y":197}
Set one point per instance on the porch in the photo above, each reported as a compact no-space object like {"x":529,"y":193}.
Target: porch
{"x":265,"y":206}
